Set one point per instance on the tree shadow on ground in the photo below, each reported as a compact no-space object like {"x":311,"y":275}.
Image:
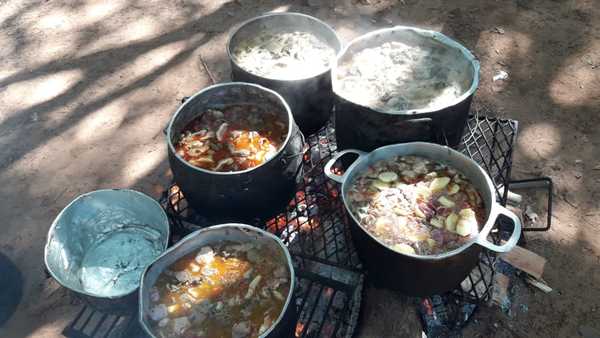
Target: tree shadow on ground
{"x":533,"y":69}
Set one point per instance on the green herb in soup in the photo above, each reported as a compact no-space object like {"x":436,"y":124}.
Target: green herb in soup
{"x":231,"y":290}
{"x":416,"y":205}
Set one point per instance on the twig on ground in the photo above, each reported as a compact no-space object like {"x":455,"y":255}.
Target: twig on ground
{"x":212,"y":78}
{"x":566,"y":199}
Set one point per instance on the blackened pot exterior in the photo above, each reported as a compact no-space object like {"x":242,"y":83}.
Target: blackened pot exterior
{"x":420,"y":275}
{"x":411,"y":276}
{"x":359,"y":127}
{"x":310,"y":98}
{"x":366,"y":128}
{"x":256,"y":192}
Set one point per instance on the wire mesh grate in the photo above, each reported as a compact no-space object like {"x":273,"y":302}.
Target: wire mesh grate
{"x":315,"y":228}
{"x":489,"y":141}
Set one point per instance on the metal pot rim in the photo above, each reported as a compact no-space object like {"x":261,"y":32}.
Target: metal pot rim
{"x":425,"y":33}
{"x":227,"y":84}
{"x":55,"y":222}
{"x":196,"y":233}
{"x":241,"y":25}
{"x":436,"y":257}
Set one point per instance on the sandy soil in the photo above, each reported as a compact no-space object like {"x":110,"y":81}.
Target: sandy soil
{"x":86,"y":88}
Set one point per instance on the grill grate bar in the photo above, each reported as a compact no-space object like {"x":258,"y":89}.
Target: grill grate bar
{"x":328,"y":306}
{"x":312,"y":312}
{"x":103,"y":317}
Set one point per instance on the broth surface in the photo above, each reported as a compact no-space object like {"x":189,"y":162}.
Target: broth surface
{"x":284,"y":55}
{"x":235,"y":138}
{"x":396,"y":76}
{"x":416,"y":205}
{"x":230,"y":290}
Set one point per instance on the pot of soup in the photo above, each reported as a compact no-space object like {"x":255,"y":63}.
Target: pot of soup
{"x":420,"y":215}
{"x":291,"y":53}
{"x":402,"y":84}
{"x":235,"y":146}
{"x":229,"y":280}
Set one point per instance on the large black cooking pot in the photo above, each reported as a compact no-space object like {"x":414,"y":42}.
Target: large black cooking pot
{"x":283,"y":326}
{"x":309,"y":96}
{"x":419,"y":275}
{"x":366,"y":128}
{"x":256,"y":192}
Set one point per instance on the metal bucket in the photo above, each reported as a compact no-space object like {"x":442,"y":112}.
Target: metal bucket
{"x":285,"y":324}
{"x":367,"y":128}
{"x":99,"y":245}
{"x":310,"y":98}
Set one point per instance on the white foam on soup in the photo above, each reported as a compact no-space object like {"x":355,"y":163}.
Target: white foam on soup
{"x":397,"y":76}
{"x":284,"y":55}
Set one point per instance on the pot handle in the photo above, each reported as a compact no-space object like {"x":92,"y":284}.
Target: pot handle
{"x":337,"y":156}
{"x":514,"y":237}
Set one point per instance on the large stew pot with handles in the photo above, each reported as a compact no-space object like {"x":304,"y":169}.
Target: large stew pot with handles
{"x":420,"y":275}
{"x":441,"y":123}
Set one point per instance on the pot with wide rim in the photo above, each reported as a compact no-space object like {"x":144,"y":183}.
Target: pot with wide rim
{"x":365,"y":123}
{"x":423,"y":275}
{"x":258,"y":191}
{"x":282,"y":326}
{"x":309,"y":93}
{"x":85,"y":250}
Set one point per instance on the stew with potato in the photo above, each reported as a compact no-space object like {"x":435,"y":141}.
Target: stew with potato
{"x":416,"y":205}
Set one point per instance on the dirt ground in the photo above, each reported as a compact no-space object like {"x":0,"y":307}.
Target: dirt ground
{"x":86,"y":88}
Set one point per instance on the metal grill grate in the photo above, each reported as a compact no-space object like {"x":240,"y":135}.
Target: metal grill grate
{"x":489,"y":141}
{"x":327,"y":308}
{"x":90,"y":323}
{"x":314,"y":226}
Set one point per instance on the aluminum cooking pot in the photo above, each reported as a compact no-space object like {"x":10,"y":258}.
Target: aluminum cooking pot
{"x":366,"y":128}
{"x":419,"y":275}
{"x":99,"y":245}
{"x":285,"y":324}
{"x":310,"y":97}
{"x":259,"y":191}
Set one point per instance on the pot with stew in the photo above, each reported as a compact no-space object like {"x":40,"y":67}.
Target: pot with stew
{"x":421,"y":214}
{"x":235,"y":145}
{"x":229,"y":280}
{"x":402,"y":84}
{"x":291,"y":53}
